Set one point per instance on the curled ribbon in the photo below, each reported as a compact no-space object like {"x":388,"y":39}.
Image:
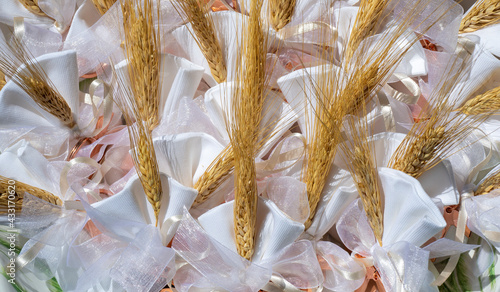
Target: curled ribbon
{"x":279,"y":284}
{"x":105,"y":108}
{"x":19,"y":27}
{"x":169,"y":228}
{"x":291,"y":31}
{"x":410,"y":84}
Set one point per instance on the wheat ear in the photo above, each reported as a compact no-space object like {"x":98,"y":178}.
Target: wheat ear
{"x":483,"y":103}
{"x":215,"y":175}
{"x":206,"y":37}
{"x":103,"y":5}
{"x":481,"y":15}
{"x":280,"y":12}
{"x":32,"y":6}
{"x":13,"y":191}
{"x":142,"y":46}
{"x":34,"y":81}
{"x":248,"y":101}
{"x":141,"y":144}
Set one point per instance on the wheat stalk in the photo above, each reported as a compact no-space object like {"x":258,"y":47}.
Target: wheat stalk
{"x":206,"y":37}
{"x":34,"y":81}
{"x":365,"y":25}
{"x":280,"y":12}
{"x":481,"y":15}
{"x":489,"y":184}
{"x":248,"y":101}
{"x":103,"y":5}
{"x":483,"y":103}
{"x":142,"y":46}
{"x":32,"y":6}
{"x":17,"y":189}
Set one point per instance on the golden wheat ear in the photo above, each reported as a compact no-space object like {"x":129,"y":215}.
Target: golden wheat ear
{"x":12,"y":191}
{"x":247,"y":104}
{"x":103,"y":5}
{"x":34,"y":81}
{"x":483,"y":14}
{"x":142,"y":50}
{"x":205,"y":35}
{"x":359,"y":157}
{"x":483,"y":103}
{"x":141,"y":142}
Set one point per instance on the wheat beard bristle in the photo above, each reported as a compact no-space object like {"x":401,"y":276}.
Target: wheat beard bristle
{"x":481,"y":15}
{"x":281,"y":12}
{"x":366,"y":20}
{"x":421,"y":152}
{"x":103,"y":5}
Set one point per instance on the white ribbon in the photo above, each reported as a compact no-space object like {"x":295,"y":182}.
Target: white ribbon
{"x":105,"y":108}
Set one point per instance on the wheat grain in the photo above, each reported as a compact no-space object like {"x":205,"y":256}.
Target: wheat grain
{"x":280,"y":12}
{"x":32,"y":6}
{"x":206,"y":37}
{"x":481,"y":15}
{"x":483,"y":103}
{"x":142,"y":46}
{"x":103,"y":5}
